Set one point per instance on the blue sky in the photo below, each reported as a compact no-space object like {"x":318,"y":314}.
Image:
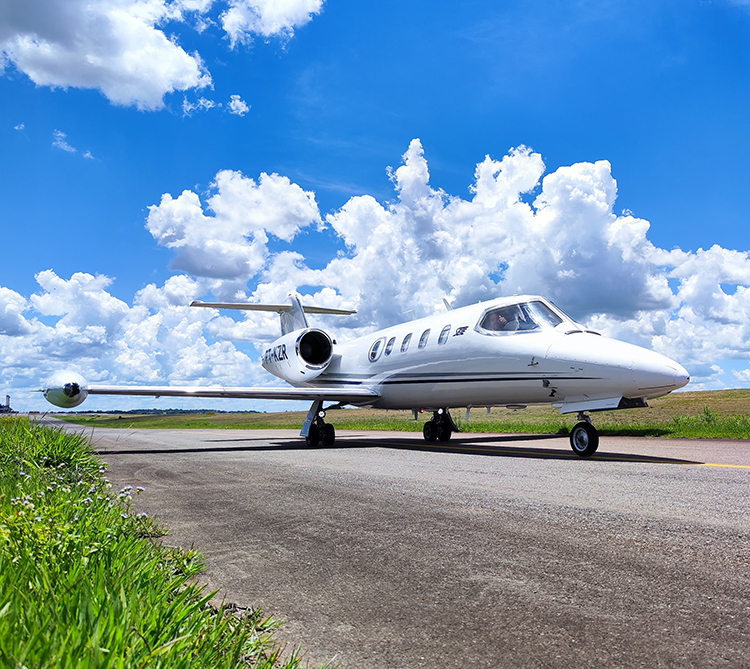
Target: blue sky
{"x":335,"y":94}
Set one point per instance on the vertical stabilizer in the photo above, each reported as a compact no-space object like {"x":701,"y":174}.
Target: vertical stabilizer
{"x":295,"y":318}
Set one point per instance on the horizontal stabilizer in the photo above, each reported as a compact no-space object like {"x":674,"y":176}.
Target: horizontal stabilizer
{"x":277,"y":308}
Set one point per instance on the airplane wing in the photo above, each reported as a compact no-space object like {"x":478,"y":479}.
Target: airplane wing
{"x":345,"y":395}
{"x":68,"y":389}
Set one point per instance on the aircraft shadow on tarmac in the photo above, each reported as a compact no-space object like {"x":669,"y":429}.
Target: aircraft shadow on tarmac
{"x":489,"y":446}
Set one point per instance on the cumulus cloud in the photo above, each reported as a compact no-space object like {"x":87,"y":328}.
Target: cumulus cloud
{"x":520,"y":231}
{"x":231,"y":244}
{"x":238,"y":106}
{"x":123,"y":48}
{"x":268,"y":18}
{"x":113,"y":45}
{"x":159,"y":339}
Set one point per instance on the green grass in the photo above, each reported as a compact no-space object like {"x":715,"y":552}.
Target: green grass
{"x":709,"y":415}
{"x":84,"y":584}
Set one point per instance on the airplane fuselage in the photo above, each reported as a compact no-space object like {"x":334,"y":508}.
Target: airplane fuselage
{"x":458,"y":363}
{"x":506,"y":352}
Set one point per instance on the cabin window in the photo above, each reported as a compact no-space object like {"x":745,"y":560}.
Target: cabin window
{"x":389,"y":345}
{"x":376,"y":349}
{"x":405,"y":343}
{"x":444,"y":334}
{"x":423,"y":339}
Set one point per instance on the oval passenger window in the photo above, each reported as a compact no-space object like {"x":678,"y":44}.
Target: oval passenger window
{"x":423,"y":339}
{"x":376,"y":349}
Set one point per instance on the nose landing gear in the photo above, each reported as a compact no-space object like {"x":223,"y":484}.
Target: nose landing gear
{"x":440,"y":427}
{"x":584,"y":438}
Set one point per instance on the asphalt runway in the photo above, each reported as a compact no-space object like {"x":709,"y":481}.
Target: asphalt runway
{"x":490,"y":551}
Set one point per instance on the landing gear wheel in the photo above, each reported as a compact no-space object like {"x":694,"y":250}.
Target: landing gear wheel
{"x":584,"y":439}
{"x":430,"y":431}
{"x":443,"y":432}
{"x":313,"y":436}
{"x":329,"y":435}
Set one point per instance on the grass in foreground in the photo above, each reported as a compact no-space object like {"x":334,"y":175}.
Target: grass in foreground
{"x":711,"y":414}
{"x":82,"y":584}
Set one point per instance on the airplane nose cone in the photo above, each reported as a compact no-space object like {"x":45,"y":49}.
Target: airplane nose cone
{"x":681,"y":377}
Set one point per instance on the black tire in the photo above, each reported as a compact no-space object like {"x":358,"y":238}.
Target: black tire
{"x":584,"y":439}
{"x":444,"y":433}
{"x":313,"y":436}
{"x":329,"y":434}
{"x":429,"y":431}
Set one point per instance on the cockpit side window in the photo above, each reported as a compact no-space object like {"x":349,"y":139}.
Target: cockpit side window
{"x":522,"y":317}
{"x":508,"y":319}
{"x":542,"y":313}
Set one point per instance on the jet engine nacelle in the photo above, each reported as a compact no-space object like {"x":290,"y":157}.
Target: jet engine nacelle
{"x":66,"y":389}
{"x":299,"y":356}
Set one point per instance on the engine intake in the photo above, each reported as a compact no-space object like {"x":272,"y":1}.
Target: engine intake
{"x":315,"y":348}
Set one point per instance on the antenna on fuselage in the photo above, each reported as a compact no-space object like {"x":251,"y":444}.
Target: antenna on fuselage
{"x":447,"y":304}
{"x":412,"y":312}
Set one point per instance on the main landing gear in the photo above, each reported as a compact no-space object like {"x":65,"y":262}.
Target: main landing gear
{"x":584,"y":439}
{"x":440,"y":427}
{"x":315,"y":430}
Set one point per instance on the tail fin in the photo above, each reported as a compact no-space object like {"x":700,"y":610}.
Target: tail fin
{"x":294,"y":319}
{"x":292,"y":315}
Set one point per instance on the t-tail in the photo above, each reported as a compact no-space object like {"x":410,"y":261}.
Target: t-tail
{"x":291,"y":315}
{"x":302,"y":353}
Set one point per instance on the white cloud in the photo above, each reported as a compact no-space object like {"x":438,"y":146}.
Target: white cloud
{"x":201,"y":105}
{"x":12,"y":307}
{"x":157,"y":340}
{"x":238,"y":106}
{"x":519,"y":231}
{"x":231,"y":245}
{"x":60,"y":141}
{"x":113,"y":45}
{"x":122,"y":48}
{"x":268,"y":18}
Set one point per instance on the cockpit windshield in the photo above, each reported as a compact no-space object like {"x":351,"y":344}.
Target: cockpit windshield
{"x":525,"y":316}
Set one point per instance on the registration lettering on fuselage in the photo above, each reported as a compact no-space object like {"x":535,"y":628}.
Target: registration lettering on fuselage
{"x":275,"y":354}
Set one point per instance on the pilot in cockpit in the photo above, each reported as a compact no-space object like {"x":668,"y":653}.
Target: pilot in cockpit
{"x":500,"y":320}
{"x":495,"y":321}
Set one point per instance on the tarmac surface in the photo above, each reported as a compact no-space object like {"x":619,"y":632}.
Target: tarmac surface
{"x":488,"y":551}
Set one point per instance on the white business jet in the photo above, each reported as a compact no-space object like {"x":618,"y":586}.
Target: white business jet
{"x":511,"y":351}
